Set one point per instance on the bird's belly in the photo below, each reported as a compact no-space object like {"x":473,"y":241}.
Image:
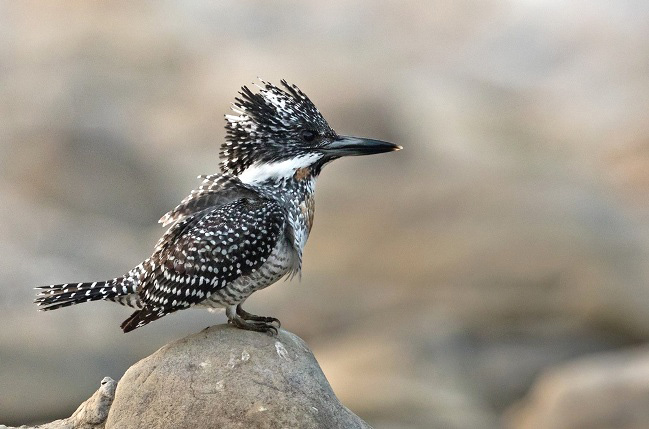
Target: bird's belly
{"x":279,"y":263}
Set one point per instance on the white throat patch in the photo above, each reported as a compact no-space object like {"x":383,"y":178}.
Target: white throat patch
{"x":260,"y":172}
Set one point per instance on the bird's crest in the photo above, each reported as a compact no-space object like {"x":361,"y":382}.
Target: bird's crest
{"x":268,"y":126}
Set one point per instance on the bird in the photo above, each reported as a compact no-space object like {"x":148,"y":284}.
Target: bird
{"x":243,"y":228}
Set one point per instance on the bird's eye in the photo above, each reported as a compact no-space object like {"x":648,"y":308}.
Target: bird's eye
{"x":308,"y":135}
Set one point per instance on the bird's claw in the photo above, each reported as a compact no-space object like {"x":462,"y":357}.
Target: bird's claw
{"x":256,"y":324}
{"x":259,"y":320}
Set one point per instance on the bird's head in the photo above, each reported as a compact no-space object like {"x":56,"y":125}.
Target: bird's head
{"x":277,"y":131}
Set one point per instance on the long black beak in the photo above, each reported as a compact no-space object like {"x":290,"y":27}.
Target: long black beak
{"x":352,"y":146}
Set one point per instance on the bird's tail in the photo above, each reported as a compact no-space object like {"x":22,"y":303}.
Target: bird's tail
{"x":141,"y":318}
{"x":63,"y":295}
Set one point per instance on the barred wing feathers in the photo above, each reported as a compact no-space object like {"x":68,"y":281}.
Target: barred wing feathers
{"x":215,"y":190}
{"x":204,"y":252}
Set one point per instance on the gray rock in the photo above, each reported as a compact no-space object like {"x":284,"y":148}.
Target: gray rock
{"x":93,"y":412}
{"x":229,"y":378}
{"x":90,"y":415}
{"x":607,"y":390}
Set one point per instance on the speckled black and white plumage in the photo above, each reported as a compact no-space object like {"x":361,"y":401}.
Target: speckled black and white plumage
{"x":242,"y":229}
{"x":265,"y":122}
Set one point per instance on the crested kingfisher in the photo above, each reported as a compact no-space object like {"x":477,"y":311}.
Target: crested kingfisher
{"x":242,"y":229}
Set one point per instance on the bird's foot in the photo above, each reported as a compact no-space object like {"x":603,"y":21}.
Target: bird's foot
{"x":241,"y":323}
{"x":244,"y":320}
{"x":254,"y":318}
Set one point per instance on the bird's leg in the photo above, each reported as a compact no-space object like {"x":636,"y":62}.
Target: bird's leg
{"x":252,"y":326}
{"x":243,"y":322}
{"x":254,"y":318}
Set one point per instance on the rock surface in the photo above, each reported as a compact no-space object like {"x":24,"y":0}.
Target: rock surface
{"x":229,"y":378}
{"x":609,"y":390}
{"x":220,"y":377}
{"x":90,"y":415}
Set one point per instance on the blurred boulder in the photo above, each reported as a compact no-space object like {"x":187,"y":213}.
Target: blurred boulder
{"x":90,"y":415}
{"x":225,"y":377}
{"x":608,"y":390}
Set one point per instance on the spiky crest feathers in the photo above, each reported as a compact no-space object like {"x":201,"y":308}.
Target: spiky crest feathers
{"x":266,"y":126}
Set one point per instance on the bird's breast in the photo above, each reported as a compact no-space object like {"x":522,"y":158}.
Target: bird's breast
{"x":307,"y":210}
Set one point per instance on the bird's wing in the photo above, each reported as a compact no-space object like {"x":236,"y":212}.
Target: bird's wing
{"x":205,"y":251}
{"x":215,"y":190}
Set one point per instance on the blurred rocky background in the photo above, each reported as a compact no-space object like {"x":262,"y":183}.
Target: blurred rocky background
{"x":459,"y":283}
